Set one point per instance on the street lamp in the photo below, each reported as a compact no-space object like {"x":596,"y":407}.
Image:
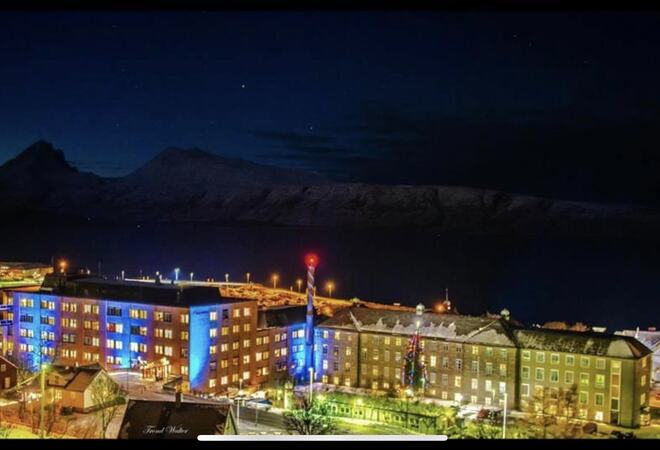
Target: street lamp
{"x":226,"y":278}
{"x":288,"y":387}
{"x":329,"y":286}
{"x":176,"y":274}
{"x":247,"y":277}
{"x":504,"y":412}
{"x":275,"y":278}
{"x":63,"y":265}
{"x":311,"y":385}
{"x":506,"y":398}
{"x":299,"y":283}
{"x":409,"y":394}
{"x":191,"y":276}
{"x":42,"y":400}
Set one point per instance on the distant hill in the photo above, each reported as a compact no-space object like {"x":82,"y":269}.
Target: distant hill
{"x":197,"y":186}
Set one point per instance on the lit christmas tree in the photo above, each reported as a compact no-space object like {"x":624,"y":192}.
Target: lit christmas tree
{"x":414,"y":371}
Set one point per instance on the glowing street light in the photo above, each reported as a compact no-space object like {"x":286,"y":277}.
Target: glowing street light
{"x":275,"y":278}
{"x":311,"y":385}
{"x":63,"y":265}
{"x":192,"y":274}
{"x":299,"y":283}
{"x":42,"y":402}
{"x":176,"y":274}
{"x":329,"y":286}
{"x":247,"y":277}
{"x":226,"y":278}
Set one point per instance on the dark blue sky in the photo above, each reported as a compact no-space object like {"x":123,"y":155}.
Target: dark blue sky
{"x":565,"y":105}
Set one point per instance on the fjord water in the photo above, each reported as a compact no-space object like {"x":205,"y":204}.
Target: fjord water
{"x":602,"y":282}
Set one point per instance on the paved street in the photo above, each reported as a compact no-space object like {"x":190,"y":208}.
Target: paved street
{"x":254,"y":419}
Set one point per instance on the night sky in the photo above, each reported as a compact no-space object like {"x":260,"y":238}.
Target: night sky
{"x":562,"y":105}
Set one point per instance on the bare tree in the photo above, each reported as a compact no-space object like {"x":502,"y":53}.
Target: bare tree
{"x":24,"y":374}
{"x":106,"y":397}
{"x":554,"y":408}
{"x":309,"y":419}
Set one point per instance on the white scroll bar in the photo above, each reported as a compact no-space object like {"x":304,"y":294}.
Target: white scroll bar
{"x":327,"y":437}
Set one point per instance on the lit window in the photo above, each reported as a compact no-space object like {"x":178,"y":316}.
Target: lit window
{"x":540,"y":374}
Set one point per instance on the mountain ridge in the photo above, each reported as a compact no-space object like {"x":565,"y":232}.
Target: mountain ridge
{"x":192,"y":185}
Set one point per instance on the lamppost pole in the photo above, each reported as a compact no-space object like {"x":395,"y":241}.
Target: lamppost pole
{"x":311,"y":385}
{"x":42,"y":400}
{"x":506,"y":398}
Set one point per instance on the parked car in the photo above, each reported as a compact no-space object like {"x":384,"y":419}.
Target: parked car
{"x":260,"y":404}
{"x":622,"y":435}
{"x":590,"y":428}
{"x":240,"y":399}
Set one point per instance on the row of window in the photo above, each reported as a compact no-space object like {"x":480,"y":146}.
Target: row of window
{"x":236,"y":314}
{"x":569,"y":376}
{"x":569,"y":360}
{"x":224,"y":331}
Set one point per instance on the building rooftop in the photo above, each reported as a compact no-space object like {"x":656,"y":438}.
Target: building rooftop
{"x":147,"y":419}
{"x":585,"y":343}
{"x":11,"y":265}
{"x":452,"y":327}
{"x":70,"y":378}
{"x":281,"y":316}
{"x":89,"y":286}
{"x":651,"y":339}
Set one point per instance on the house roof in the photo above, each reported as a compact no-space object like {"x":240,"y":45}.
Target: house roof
{"x":586,"y":343}
{"x":8,"y":361}
{"x":651,"y":339}
{"x":147,"y":419}
{"x":283,"y":316}
{"x":451,"y":327}
{"x":70,"y":378}
{"x":164,"y":294}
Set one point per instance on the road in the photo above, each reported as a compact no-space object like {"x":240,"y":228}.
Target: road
{"x":254,"y":418}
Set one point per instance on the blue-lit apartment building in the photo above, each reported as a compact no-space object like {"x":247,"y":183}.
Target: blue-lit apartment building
{"x":213,"y":343}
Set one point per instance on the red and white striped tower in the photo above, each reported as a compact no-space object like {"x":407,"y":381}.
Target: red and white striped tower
{"x":311,"y":261}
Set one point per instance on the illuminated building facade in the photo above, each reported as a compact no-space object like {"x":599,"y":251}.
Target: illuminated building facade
{"x":468,"y":359}
{"x":165,"y":330}
{"x":609,"y":376}
{"x":483,"y":361}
